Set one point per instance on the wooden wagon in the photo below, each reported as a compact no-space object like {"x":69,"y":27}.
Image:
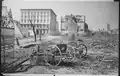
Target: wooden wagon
{"x":55,"y":53}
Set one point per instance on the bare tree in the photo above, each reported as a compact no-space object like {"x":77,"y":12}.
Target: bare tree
{"x":34,"y":31}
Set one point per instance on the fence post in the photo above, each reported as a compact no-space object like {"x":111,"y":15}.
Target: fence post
{"x":17,"y":42}
{"x":4,"y":49}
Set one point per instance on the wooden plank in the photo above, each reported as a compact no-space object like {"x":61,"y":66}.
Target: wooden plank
{"x":16,"y":64}
{"x":7,"y":65}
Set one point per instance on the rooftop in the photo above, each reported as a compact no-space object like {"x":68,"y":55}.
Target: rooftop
{"x":37,"y":9}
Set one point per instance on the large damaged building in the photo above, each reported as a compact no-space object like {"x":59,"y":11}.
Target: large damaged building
{"x":73,"y":24}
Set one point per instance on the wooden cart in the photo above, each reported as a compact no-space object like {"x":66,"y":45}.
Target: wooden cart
{"x":55,"y":53}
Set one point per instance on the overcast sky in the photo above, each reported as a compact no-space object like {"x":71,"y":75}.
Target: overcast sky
{"x":98,"y":13}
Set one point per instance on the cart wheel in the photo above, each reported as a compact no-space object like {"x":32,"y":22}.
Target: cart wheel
{"x":81,"y":51}
{"x":53,"y":55}
{"x":70,"y":51}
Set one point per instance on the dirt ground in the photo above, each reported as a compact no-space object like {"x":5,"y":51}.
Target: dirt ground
{"x":94,"y":63}
{"x":88,"y":65}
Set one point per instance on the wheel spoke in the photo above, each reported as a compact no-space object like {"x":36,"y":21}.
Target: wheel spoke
{"x":81,"y":51}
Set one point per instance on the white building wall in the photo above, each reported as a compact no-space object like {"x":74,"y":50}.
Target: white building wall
{"x":47,"y":19}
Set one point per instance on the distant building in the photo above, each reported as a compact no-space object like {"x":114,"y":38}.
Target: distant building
{"x":108,"y":28}
{"x":75,"y":23}
{"x":7,"y":27}
{"x":43,"y":19}
{"x":114,"y":31}
{"x":68,"y":26}
{"x":82,"y":25}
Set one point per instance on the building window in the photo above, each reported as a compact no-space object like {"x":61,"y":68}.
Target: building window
{"x":25,"y":16}
{"x":40,"y":26}
{"x":37,"y":21}
{"x":25,"y":13}
{"x":47,"y":15}
{"x":81,"y":29}
{"x":37,"y":17}
{"x":47,"y":26}
{"x":27,"y":26}
{"x":44,"y":15}
{"x":41,"y":16}
{"x":44,"y":25}
{"x":21,"y":16}
{"x":28,"y":20}
{"x":47,"y":31}
{"x":25,"y":21}
{"x":28,"y":15}
{"x":22,"y":13}
{"x":47,"y":20}
{"x":37,"y":13}
{"x":24,"y":26}
{"x":34,"y":16}
{"x":21,"y":20}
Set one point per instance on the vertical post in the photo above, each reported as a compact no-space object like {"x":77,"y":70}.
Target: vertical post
{"x":0,"y":28}
{"x":40,"y":34}
{"x":13,"y":53}
{"x":4,"y":50}
{"x":61,"y":24}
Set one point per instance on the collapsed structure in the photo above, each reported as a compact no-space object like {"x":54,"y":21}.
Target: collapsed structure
{"x":74,"y":24}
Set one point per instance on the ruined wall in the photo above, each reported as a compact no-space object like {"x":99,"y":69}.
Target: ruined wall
{"x":8,"y":35}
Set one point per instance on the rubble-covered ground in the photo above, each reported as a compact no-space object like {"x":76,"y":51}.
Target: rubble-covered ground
{"x":88,"y":65}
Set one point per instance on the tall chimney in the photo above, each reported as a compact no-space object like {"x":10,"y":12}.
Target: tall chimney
{"x":108,"y":27}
